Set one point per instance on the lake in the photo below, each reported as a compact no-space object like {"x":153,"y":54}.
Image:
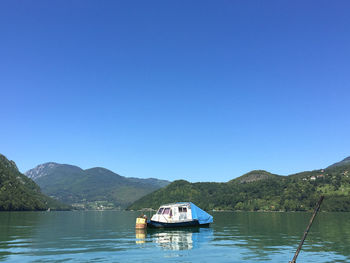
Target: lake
{"x":110,"y":236}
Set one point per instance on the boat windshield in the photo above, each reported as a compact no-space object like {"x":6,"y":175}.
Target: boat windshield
{"x":160,"y":210}
{"x":166,"y":211}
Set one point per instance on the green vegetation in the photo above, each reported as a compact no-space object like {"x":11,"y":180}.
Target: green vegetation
{"x":262,"y":191}
{"x":91,"y":189}
{"x":19,"y":193}
{"x":101,"y":189}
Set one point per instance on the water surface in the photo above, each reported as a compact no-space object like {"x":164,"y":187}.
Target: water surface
{"x":110,"y":236}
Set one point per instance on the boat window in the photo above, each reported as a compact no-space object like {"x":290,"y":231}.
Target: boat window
{"x":160,"y":210}
{"x":166,"y":211}
{"x":182,"y":209}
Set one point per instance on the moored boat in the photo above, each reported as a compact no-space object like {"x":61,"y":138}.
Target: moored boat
{"x":182,"y":214}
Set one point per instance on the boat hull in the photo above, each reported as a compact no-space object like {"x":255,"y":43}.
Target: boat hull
{"x":193,"y":223}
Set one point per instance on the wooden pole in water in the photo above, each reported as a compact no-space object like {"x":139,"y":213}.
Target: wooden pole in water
{"x":307,"y":230}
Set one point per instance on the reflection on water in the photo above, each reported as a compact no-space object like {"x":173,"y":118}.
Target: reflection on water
{"x":110,"y":236}
{"x":262,"y":236}
{"x":16,"y":233}
{"x":175,"y":239}
{"x":140,"y":236}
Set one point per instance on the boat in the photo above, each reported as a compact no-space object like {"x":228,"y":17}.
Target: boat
{"x":181,"y":214}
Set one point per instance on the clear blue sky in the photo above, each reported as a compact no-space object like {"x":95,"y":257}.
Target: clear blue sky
{"x":195,"y":90}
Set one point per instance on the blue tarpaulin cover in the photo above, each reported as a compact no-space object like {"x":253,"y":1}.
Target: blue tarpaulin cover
{"x":202,"y":216}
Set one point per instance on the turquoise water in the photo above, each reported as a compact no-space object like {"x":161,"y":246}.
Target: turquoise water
{"x":110,"y":236}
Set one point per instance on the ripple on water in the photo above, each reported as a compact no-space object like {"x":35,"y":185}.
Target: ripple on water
{"x":111,"y":237}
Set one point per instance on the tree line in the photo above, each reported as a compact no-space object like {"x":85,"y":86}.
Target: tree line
{"x":298,"y":192}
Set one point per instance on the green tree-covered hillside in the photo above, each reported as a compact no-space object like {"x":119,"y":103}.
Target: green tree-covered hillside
{"x":18,"y":193}
{"x":260,"y":190}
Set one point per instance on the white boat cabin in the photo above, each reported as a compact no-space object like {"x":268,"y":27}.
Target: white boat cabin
{"x":173,"y":213}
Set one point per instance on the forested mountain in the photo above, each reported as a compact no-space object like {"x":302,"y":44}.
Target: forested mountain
{"x":260,"y":190}
{"x":19,"y":193}
{"x":254,"y":176}
{"x":95,"y":188}
{"x":346,"y":161}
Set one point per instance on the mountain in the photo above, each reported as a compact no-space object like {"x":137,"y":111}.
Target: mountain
{"x":95,"y":188}
{"x":261,"y":190}
{"x":346,"y":161}
{"x":47,"y":168}
{"x":18,"y":192}
{"x":254,"y":176}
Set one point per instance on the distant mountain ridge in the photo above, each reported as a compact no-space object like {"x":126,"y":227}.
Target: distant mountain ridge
{"x":18,"y":193}
{"x":262,"y":191}
{"x":46,"y":168}
{"x":345,"y":161}
{"x":92,"y":188}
